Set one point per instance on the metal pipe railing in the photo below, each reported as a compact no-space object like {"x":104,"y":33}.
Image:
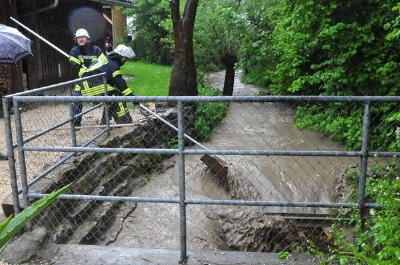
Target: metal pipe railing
{"x":364,"y":153}
{"x":364,"y":162}
{"x":10,"y":154}
{"x":212,"y":151}
{"x":362,"y":99}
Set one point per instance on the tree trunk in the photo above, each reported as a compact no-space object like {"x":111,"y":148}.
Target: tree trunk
{"x":229,"y":62}
{"x":183,"y":75}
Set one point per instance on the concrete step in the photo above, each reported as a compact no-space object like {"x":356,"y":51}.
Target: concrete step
{"x":69,"y":254}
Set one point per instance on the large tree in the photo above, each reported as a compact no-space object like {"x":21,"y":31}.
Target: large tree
{"x":219,"y":29}
{"x":183,"y":75}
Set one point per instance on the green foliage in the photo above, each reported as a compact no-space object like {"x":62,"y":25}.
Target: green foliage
{"x":379,"y":242}
{"x":13,"y":224}
{"x":394,"y":25}
{"x":208,"y":114}
{"x":283,"y":255}
{"x":218,"y":30}
{"x":172,"y":142}
{"x":256,"y":48}
{"x":342,"y":124}
{"x":152,"y":31}
{"x":320,"y":47}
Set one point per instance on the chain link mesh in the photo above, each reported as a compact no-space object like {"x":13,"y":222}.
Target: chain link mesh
{"x":246,"y":126}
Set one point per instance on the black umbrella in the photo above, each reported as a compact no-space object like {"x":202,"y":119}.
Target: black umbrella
{"x":13,"y":45}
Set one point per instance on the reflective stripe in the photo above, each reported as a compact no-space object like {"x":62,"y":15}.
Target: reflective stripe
{"x":81,"y":72}
{"x":102,"y":60}
{"x":73,"y":59}
{"x":85,"y":85}
{"x":85,"y":57}
{"x":122,"y":111}
{"x":96,"y":90}
{"x":118,"y":72}
{"x":127,"y":92}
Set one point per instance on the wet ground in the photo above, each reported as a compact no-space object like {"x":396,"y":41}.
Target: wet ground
{"x":255,"y":126}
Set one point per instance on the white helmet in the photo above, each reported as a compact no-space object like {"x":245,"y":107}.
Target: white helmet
{"x":125,"y":51}
{"x":82,"y":33}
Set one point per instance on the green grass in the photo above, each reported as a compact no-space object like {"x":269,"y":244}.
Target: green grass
{"x":148,"y":79}
{"x":153,"y":80}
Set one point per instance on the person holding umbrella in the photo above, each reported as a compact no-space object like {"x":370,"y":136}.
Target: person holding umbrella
{"x":82,"y":55}
{"x":14,"y":47}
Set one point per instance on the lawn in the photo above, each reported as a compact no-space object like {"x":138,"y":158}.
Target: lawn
{"x":148,"y":79}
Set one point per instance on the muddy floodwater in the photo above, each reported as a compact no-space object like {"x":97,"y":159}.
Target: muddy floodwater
{"x":248,"y":126}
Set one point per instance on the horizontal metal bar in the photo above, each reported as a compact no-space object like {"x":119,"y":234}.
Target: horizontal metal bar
{"x":281,"y":203}
{"x":189,"y":151}
{"x":275,"y":152}
{"x":106,"y":198}
{"x":100,"y":150}
{"x":57,"y":125}
{"x":209,"y":151}
{"x":118,"y":3}
{"x":62,"y":161}
{"x":58,"y":85}
{"x":209,"y":202}
{"x":209,"y":98}
{"x":384,"y":154}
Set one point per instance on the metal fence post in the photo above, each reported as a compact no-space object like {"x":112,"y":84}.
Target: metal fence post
{"x":182,"y":195}
{"x":71,"y":115}
{"x":10,"y":155}
{"x":107,"y":114}
{"x":21,"y":157}
{"x":364,"y":161}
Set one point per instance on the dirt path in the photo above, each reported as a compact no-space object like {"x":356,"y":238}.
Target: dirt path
{"x":253,"y":126}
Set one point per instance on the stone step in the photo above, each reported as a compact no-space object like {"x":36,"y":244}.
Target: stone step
{"x":106,"y":185}
{"x":100,"y":218}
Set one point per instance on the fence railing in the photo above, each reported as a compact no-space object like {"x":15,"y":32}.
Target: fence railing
{"x":75,"y":141}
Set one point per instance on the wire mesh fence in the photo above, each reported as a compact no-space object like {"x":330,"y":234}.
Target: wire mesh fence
{"x":148,"y":184}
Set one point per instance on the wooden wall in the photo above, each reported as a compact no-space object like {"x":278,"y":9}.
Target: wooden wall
{"x":119,"y":25}
{"x":48,"y":66}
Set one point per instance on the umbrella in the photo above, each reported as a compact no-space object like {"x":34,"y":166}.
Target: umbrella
{"x":13,"y":45}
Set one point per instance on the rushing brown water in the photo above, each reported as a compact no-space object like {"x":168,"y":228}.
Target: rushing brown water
{"x":249,"y":126}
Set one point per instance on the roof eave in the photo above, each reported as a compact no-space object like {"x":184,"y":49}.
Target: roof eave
{"x":115,"y":2}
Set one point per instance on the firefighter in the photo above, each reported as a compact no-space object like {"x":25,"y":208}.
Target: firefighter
{"x":116,"y":85}
{"x":82,"y":55}
{"x":108,"y":45}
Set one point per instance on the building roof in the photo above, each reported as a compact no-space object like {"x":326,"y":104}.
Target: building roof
{"x":126,"y":3}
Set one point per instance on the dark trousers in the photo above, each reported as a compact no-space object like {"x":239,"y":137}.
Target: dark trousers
{"x":116,"y":107}
{"x":76,"y":109}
